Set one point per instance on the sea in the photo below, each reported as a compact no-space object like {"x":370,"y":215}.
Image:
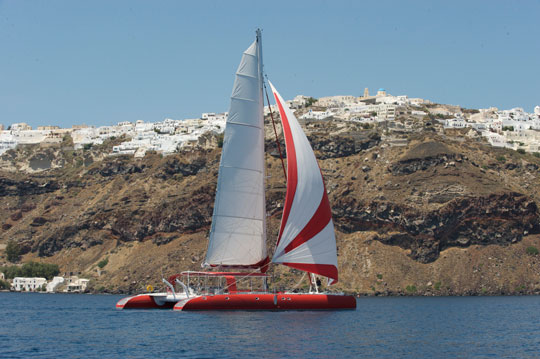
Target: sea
{"x":36,"y":325}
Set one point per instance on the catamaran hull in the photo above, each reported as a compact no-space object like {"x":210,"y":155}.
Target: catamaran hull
{"x":148,"y":301}
{"x":282,"y":301}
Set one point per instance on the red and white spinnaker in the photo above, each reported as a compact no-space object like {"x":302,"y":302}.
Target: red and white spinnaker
{"x":306,"y":238}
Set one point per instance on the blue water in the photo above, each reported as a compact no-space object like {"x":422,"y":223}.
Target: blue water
{"x":88,"y":326}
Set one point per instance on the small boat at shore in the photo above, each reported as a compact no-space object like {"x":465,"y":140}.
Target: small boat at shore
{"x":237,"y":240}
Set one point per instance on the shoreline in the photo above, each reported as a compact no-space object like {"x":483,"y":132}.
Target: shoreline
{"x":356,"y":295}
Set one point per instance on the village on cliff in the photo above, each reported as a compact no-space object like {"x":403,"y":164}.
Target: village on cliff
{"x":514,"y":128}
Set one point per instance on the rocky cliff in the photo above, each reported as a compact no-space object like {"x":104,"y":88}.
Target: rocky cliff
{"x":417,"y":212}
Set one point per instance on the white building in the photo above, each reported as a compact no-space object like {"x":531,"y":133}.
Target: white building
{"x":20,"y":127}
{"x":270,"y":109}
{"x":208,"y":115}
{"x":20,"y":284}
{"x":7,"y":141}
{"x":386,"y":112}
{"x":54,"y":284}
{"x":337,"y":101}
{"x":528,"y":140}
{"x":76,"y":285}
{"x":141,"y":126}
{"x":495,"y":139}
{"x":84,"y":136}
{"x":299,"y":101}
{"x":457,"y":122}
{"x":316,"y":115}
{"x":29,"y":137}
{"x":418,"y":101}
{"x":392,"y":100}
{"x":166,"y":126}
{"x":516,"y":118}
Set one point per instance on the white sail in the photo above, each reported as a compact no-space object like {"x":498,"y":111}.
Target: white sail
{"x":306,"y":237}
{"x":238,"y":233}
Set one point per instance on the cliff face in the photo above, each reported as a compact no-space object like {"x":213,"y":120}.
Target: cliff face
{"x":438,"y":198}
{"x":432,"y":209}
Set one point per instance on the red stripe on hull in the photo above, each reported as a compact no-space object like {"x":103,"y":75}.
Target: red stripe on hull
{"x":142,"y":302}
{"x":280,"y":301}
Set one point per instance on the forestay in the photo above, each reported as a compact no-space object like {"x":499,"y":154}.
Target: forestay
{"x":238,"y":232}
{"x":306,"y":237}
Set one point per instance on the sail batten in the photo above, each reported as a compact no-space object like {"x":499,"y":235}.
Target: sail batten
{"x":243,"y":124}
{"x":306,"y":239}
{"x":244,"y":75}
{"x":238,"y":232}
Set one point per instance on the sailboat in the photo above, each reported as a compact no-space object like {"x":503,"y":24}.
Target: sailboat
{"x":237,"y":240}
{"x":238,"y":234}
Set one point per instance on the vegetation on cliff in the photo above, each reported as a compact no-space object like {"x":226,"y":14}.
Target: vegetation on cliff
{"x":31,"y":269}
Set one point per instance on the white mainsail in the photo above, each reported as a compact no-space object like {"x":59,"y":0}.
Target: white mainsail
{"x":238,"y":233}
{"x":306,"y":237}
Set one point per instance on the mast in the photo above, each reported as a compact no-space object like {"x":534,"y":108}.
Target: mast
{"x":258,"y":39}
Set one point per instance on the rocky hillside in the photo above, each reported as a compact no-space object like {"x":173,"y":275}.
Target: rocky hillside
{"x":422,"y":211}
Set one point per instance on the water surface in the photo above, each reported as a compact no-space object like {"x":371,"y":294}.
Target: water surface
{"x":88,"y":326}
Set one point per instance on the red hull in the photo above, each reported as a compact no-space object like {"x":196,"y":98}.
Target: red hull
{"x":142,"y":301}
{"x":281,"y":301}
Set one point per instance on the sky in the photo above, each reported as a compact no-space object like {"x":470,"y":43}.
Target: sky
{"x":101,"y":62}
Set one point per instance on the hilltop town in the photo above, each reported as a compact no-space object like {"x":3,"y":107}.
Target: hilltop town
{"x":426,"y":198}
{"x":514,"y":128}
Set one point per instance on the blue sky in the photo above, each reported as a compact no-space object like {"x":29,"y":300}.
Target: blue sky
{"x":101,"y":62}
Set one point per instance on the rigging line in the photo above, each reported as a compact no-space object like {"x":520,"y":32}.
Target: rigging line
{"x":242,"y":278}
{"x":275,"y":131}
{"x":299,"y":282}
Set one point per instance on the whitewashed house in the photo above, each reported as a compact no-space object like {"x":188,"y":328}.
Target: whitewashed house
{"x":528,"y":140}
{"x":392,"y":100}
{"x":208,"y":115}
{"x":386,"y":112}
{"x":516,"y":118}
{"x":7,"y":141}
{"x":337,"y":101}
{"x":316,"y":115}
{"x":456,"y":122}
{"x":85,"y":135}
{"x":299,"y":101}
{"x":26,"y":284}
{"x":20,"y":127}
{"x":54,"y":284}
{"x":29,"y":137}
{"x":76,"y":285}
{"x":418,"y":101}
{"x":495,"y":139}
